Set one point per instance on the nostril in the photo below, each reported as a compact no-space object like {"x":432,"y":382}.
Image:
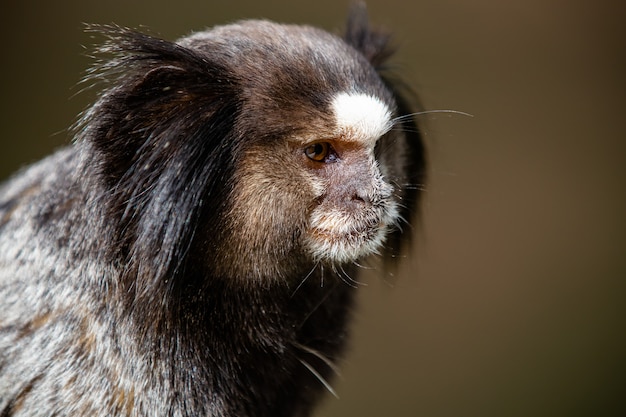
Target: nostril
{"x":360,"y":197}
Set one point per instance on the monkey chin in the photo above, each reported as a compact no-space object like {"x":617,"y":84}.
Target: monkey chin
{"x":339,"y":238}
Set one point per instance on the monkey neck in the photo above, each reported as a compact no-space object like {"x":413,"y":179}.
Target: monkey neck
{"x":252,"y":314}
{"x":248,"y":345}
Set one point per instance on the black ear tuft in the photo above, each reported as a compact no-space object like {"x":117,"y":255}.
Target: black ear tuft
{"x":157,"y":135}
{"x":374,"y":44}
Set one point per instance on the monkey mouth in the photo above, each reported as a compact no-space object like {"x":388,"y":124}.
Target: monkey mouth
{"x":348,"y":243}
{"x":355,"y":234}
{"x":340,"y":236}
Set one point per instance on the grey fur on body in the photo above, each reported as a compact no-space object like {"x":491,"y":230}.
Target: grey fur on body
{"x":173,"y":260}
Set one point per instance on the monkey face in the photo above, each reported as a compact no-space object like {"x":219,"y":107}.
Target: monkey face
{"x":323,"y":193}
{"x":354,"y":209}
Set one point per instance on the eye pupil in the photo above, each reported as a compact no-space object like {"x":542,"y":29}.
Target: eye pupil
{"x":318,"y":151}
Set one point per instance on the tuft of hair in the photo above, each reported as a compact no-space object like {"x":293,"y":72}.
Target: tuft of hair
{"x":374,"y":44}
{"x":157,"y":134}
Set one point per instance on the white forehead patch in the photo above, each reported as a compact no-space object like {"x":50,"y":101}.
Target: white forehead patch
{"x":361,"y":117}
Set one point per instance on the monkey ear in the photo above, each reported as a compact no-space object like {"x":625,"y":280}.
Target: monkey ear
{"x":374,"y":44}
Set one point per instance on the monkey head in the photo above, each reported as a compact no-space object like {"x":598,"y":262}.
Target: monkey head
{"x":322,"y":171}
{"x":278,"y":148}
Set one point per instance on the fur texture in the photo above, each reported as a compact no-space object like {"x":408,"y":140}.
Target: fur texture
{"x":190,"y":253}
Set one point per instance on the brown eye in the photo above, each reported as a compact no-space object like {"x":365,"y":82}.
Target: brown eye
{"x":318,"y":152}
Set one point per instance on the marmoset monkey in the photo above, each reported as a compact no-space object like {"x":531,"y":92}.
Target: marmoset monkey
{"x":191,"y":252}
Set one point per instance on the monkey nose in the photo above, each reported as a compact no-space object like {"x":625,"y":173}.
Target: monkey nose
{"x":359,"y":199}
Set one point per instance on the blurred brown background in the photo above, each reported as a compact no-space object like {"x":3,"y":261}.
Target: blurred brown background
{"x":513,"y":302}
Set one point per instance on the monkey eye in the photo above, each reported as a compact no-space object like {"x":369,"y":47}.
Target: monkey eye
{"x":320,"y":152}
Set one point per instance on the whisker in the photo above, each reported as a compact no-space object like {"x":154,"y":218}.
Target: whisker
{"x":319,"y":377}
{"x":399,"y":221}
{"x":401,"y":128}
{"x":419,"y":187}
{"x":348,"y":282}
{"x":304,"y":280}
{"x":355,"y":263}
{"x":327,"y":294}
{"x":346,"y":278}
{"x":319,"y":356}
{"x":424,"y":112}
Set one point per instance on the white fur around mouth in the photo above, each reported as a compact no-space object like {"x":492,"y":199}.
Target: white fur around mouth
{"x":339,"y":238}
{"x":341,"y":248}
